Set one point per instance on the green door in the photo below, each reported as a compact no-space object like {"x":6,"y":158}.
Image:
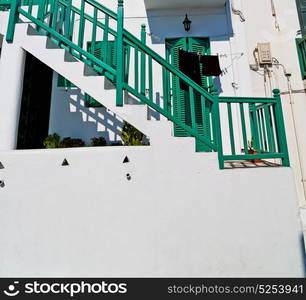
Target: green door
{"x":180,"y":97}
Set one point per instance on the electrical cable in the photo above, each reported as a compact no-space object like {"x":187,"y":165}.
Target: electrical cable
{"x":303,"y":179}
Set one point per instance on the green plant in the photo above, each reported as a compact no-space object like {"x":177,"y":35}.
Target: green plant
{"x":98,"y":141}
{"x":251,"y":144}
{"x":131,"y":136}
{"x":68,"y":142}
{"x":52,"y":141}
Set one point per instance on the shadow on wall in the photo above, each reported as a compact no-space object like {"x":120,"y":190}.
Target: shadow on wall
{"x":70,"y":118}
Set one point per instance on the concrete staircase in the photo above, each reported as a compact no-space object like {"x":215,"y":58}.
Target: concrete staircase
{"x":99,"y":87}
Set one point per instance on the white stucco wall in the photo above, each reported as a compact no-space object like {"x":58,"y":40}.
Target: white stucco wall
{"x":177,"y":216}
{"x":260,"y":27}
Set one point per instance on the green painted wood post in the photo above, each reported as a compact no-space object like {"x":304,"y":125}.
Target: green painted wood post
{"x":81,"y":25}
{"x":30,"y":6}
{"x":41,"y":12}
{"x":143,"y":62}
{"x":136,"y":69}
{"x":68,"y":18}
{"x":231,"y":128}
{"x":243,"y":129}
{"x":105,"y":45}
{"x":261,"y":143}
{"x":265,"y":143}
{"x":13,"y":19}
{"x":280,"y":127}
{"x":269,"y":128}
{"x":120,"y":55}
{"x":54,"y":14}
{"x":217,"y":128}
{"x":254,"y":125}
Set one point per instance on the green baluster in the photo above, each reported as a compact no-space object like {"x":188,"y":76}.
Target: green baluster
{"x":104,"y":51}
{"x":231,"y":128}
{"x":120,"y":55}
{"x":243,"y":128}
{"x":192,"y":109}
{"x":136,"y":68}
{"x":30,"y":7}
{"x":264,"y":135}
{"x":261,"y":142}
{"x":269,"y":129}
{"x":127,"y":64}
{"x":254,"y":126}
{"x":55,"y":14}
{"x":150,"y":70}
{"x":62,"y":18}
{"x":217,"y":128}
{"x":71,"y":29}
{"x":94,"y":32}
{"x":143,"y":62}
{"x":280,"y":128}
{"x":41,"y":12}
{"x":206,"y":112}
{"x":81,"y":25}
{"x":68,"y":18}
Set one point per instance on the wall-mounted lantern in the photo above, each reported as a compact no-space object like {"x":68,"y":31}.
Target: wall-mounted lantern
{"x":187,"y":23}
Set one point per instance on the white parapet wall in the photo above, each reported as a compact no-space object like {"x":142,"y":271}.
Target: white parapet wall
{"x":178,"y":215}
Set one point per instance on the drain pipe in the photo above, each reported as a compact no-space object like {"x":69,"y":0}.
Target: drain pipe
{"x":303,"y":179}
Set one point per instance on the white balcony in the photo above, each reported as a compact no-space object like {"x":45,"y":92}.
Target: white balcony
{"x":166,"y":4}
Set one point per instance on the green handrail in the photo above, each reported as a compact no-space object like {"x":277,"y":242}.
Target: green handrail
{"x":124,"y":40}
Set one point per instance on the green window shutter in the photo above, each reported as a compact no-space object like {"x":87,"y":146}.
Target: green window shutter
{"x":201,"y":46}
{"x":63,"y":82}
{"x":180,"y":97}
{"x":301,"y":6}
{"x":104,"y":50}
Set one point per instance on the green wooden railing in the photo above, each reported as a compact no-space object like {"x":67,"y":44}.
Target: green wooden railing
{"x":73,"y":25}
{"x":261,"y":128}
{"x":301,"y":48}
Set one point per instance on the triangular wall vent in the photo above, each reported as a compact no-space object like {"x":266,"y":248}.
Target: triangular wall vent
{"x":65,"y":163}
{"x":126,"y":160}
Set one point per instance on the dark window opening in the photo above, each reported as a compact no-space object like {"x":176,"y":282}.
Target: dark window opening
{"x":35,"y":104}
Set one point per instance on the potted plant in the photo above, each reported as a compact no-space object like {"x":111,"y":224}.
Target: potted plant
{"x":52,"y":141}
{"x":69,"y":142}
{"x":131,"y":136}
{"x":253,"y":151}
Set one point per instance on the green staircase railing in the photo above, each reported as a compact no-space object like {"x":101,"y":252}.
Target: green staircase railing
{"x":74,"y":25}
{"x":261,"y":128}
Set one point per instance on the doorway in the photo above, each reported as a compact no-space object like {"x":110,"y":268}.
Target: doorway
{"x":35,"y":104}
{"x":181,"y":97}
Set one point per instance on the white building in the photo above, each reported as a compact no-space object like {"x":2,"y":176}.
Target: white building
{"x":214,"y":193}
